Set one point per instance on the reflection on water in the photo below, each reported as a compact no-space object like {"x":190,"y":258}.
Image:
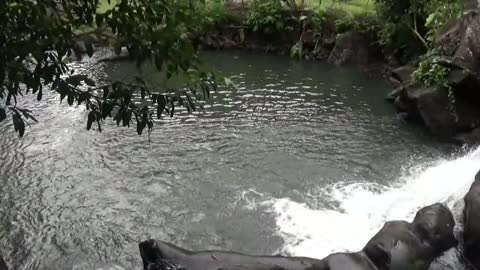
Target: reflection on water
{"x":73,"y":199}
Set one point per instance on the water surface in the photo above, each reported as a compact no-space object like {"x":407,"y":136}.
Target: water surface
{"x":286,"y":163}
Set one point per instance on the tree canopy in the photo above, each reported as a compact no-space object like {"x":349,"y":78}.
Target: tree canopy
{"x":39,"y":37}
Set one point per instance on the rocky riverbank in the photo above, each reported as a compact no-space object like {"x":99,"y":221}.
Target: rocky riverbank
{"x":308,"y":42}
{"x":450,"y":106}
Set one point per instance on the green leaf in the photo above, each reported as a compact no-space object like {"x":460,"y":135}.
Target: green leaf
{"x":127,"y":117}
{"x":70,"y":98}
{"x":161,"y":105}
{"x":89,"y":47}
{"x":118,"y":48}
{"x":3,"y":114}
{"x":39,"y":94}
{"x":99,"y":19}
{"x":91,"y":119}
{"x":429,"y":20}
{"x":158,"y":62}
{"x":141,"y":124}
{"x":89,"y":82}
{"x":18,"y":124}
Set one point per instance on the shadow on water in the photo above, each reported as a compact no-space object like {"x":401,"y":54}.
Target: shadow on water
{"x":73,"y":199}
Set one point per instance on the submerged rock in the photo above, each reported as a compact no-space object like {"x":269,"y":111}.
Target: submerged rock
{"x":399,"y":245}
{"x":471,"y":242}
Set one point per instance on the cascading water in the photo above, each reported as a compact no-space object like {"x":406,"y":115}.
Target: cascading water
{"x":362,"y":209}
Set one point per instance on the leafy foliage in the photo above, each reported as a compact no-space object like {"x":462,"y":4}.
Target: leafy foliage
{"x":216,"y":12}
{"x":440,"y":12}
{"x":266,"y":15}
{"x":419,"y":19}
{"x":39,"y":37}
{"x":430,"y":72}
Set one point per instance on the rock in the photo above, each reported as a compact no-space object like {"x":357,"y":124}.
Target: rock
{"x":3,"y":265}
{"x":403,"y":74}
{"x":446,"y":112}
{"x":403,"y":245}
{"x":471,"y":235}
{"x":468,"y":51}
{"x":350,"y":48}
{"x":348,"y":261}
{"x":154,"y":251}
{"x":470,"y":4}
{"x":434,"y":225}
{"x":433,"y":105}
{"x":399,"y":245}
{"x":392,"y":96}
{"x":468,"y":138}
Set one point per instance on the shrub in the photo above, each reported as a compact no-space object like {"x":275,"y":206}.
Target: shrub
{"x":266,"y":16}
{"x":431,"y":72}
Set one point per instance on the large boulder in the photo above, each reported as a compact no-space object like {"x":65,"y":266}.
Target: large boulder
{"x":429,"y":105}
{"x":445,"y":110}
{"x":402,"y":74}
{"x":398,"y":246}
{"x":470,"y":4}
{"x":350,"y":48}
{"x":471,"y":235}
{"x":155,"y":253}
{"x":403,"y":245}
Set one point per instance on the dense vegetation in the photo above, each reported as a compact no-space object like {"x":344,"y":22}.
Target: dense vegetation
{"x":39,"y":38}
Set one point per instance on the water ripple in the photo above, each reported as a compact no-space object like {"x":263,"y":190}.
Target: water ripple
{"x":73,"y":199}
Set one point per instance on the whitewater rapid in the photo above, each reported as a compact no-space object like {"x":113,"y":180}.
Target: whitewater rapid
{"x":361,"y":209}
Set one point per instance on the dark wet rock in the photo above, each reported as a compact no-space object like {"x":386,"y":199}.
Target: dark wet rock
{"x":350,"y":48}
{"x":468,"y":51}
{"x":433,"y":105}
{"x":392,"y":96}
{"x":351,"y":261}
{"x":398,"y":245}
{"x":471,"y":235}
{"x":402,"y":74}
{"x":470,"y":4}
{"x":445,"y":110}
{"x":3,"y":264}
{"x":153,"y":251}
{"x":468,"y":138}
{"x":403,"y":245}
{"x":434,"y":225}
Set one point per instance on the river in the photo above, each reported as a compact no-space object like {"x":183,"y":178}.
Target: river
{"x":303,"y":159}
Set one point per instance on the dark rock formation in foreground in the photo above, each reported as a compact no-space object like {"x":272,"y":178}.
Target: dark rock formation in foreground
{"x":450,"y":110}
{"x":398,"y":245}
{"x":471,"y":243}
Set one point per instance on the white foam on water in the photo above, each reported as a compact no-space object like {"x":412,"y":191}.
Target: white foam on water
{"x":363,"y":208}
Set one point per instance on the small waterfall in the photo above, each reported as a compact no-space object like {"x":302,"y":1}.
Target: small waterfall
{"x":363,"y":208}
